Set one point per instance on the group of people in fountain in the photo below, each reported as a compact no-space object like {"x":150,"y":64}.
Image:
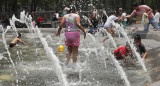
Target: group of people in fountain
{"x":126,"y":51}
{"x":73,"y":28}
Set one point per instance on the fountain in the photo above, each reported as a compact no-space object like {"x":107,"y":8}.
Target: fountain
{"x":140,"y":60}
{"x":105,"y":13}
{"x":6,"y":47}
{"x":54,"y":59}
{"x":87,"y":19}
{"x":49,"y":51}
{"x":98,"y":65}
{"x":116,"y":63}
{"x":111,"y":39}
{"x":119,"y":69}
{"x":24,"y":18}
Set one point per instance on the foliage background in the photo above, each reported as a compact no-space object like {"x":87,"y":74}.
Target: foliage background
{"x":52,"y":5}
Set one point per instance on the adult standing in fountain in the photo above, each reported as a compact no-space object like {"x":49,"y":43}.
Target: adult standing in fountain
{"x":72,"y":33}
{"x":140,"y":10}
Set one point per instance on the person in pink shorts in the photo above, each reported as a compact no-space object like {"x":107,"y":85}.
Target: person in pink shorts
{"x":72,"y":33}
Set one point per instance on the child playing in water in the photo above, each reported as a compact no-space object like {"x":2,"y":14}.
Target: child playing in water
{"x":72,"y":33}
{"x":140,"y":47}
{"x":124,"y":20}
{"x":108,"y":24}
{"x":16,"y":40}
{"x":123,"y":52}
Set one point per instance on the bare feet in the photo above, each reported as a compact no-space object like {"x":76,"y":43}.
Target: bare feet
{"x":156,"y":29}
{"x":147,"y":84}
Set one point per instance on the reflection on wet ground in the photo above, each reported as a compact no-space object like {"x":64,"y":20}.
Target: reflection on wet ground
{"x":35,"y":68}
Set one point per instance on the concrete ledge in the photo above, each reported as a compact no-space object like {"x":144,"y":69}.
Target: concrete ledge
{"x":26,"y":30}
{"x":146,"y":35}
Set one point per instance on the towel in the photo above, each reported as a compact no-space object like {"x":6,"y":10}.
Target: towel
{"x":145,"y":19}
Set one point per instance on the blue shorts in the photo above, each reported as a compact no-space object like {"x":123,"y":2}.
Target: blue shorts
{"x":153,"y":22}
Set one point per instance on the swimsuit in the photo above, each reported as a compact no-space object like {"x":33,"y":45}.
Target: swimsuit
{"x":72,"y":33}
{"x":12,"y":45}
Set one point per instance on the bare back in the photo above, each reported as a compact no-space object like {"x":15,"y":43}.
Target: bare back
{"x":15,"y":40}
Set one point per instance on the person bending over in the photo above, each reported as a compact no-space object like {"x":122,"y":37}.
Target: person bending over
{"x":16,"y":40}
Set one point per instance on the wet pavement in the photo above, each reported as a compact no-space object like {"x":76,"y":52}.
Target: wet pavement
{"x":35,"y":68}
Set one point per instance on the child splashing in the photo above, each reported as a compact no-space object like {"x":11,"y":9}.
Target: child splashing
{"x":16,"y":40}
{"x":108,"y":24}
{"x":123,"y":52}
{"x":72,"y":33}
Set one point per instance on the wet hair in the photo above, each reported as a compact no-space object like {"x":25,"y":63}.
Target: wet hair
{"x":135,"y":4}
{"x":19,"y":35}
{"x":137,"y":37}
{"x":72,"y":9}
{"x":128,"y":47}
{"x":112,"y":12}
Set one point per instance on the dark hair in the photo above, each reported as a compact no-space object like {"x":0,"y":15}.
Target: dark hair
{"x":72,"y":9}
{"x":112,"y":12}
{"x":137,"y":37}
{"x":19,"y":35}
{"x":128,"y":47}
{"x":135,"y":4}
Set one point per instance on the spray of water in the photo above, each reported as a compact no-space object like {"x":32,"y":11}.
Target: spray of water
{"x":124,"y":33}
{"x":27,"y":19}
{"x":92,"y":37}
{"x":6,"y":47}
{"x":2,"y":57}
{"x":87,"y":19}
{"x":54,"y":59}
{"x":61,"y":39}
{"x":111,"y":39}
{"x":105,"y":13}
{"x":12,"y":23}
{"x":116,"y":63}
{"x":24,"y":18}
{"x":119,"y":68}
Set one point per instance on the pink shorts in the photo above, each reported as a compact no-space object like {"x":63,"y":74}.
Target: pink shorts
{"x":34,"y":24}
{"x":72,"y":38}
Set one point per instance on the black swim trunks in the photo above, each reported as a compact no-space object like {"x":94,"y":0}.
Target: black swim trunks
{"x":12,"y":45}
